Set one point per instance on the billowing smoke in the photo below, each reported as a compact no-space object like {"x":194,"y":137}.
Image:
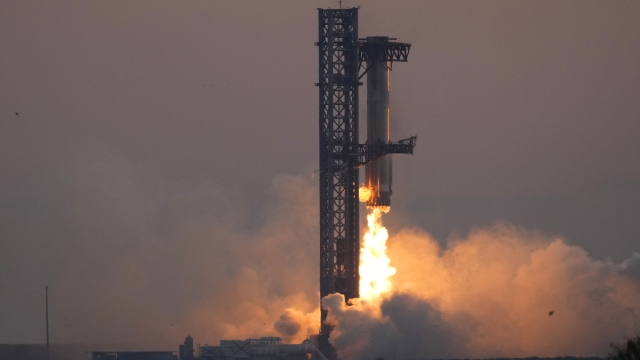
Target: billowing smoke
{"x":132,"y":259}
{"x":499,"y":292}
{"x":404,"y":326}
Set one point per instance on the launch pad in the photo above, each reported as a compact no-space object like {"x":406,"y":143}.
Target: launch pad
{"x":344,"y":59}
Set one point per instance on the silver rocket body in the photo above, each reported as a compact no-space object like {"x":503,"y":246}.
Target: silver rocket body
{"x":378,"y":172}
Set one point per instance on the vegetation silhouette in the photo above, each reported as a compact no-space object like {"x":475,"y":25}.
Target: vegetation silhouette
{"x":629,"y":350}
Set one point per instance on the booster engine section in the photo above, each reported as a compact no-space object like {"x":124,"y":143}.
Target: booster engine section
{"x":378,"y":172}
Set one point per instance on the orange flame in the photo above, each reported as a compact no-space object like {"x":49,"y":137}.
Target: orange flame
{"x":365,"y":193}
{"x":375,"y":270}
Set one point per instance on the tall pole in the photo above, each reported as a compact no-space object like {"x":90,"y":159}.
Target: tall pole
{"x":46,"y":300}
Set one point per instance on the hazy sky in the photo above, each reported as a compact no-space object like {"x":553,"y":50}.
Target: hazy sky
{"x":129,"y":120}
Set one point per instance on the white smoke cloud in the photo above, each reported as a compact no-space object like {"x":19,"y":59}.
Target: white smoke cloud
{"x":499,"y":292}
{"x":402,"y":326}
{"x":133,"y":259}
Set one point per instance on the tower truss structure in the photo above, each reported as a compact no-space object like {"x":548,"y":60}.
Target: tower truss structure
{"x":339,"y":62}
{"x":341,"y":154}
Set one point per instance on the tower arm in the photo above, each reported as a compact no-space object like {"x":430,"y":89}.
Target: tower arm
{"x":387,"y":52}
{"x":366,"y":153}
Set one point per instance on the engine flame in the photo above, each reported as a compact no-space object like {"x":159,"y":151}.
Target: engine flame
{"x":365,"y":193}
{"x":497,"y":286}
{"x":375,"y":269}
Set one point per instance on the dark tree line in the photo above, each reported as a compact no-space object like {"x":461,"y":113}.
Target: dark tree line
{"x":629,"y":350}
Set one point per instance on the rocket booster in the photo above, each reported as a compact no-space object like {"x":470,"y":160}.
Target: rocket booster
{"x":378,"y":172}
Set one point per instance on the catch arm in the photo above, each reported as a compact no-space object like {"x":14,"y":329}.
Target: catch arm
{"x":366,"y":153}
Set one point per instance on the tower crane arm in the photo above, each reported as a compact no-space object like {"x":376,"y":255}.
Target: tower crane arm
{"x":366,"y":153}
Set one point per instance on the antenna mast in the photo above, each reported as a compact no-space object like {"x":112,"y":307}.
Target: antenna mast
{"x":46,"y":301}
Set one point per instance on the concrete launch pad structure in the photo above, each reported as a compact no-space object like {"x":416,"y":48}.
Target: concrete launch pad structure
{"x":343,"y":60}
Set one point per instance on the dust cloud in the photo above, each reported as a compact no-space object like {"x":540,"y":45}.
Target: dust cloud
{"x":501,"y":291}
{"x":133,"y":259}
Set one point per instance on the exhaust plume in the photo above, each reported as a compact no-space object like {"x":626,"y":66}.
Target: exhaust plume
{"x":500,"y":292}
{"x":374,"y":262}
{"x":131,"y":258}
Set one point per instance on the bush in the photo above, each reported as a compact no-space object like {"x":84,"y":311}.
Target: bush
{"x":629,"y":350}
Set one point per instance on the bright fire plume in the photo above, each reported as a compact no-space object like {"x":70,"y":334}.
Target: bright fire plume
{"x":375,"y":270}
{"x":365,"y":193}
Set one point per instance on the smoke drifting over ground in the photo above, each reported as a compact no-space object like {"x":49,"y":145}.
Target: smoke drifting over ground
{"x":130,"y":259}
{"x":499,"y":292}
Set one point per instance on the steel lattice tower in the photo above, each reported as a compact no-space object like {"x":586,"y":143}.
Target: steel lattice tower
{"x":339,"y":181}
{"x":341,"y":154}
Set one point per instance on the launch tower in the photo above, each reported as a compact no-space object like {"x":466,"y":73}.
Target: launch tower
{"x":344,"y":59}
